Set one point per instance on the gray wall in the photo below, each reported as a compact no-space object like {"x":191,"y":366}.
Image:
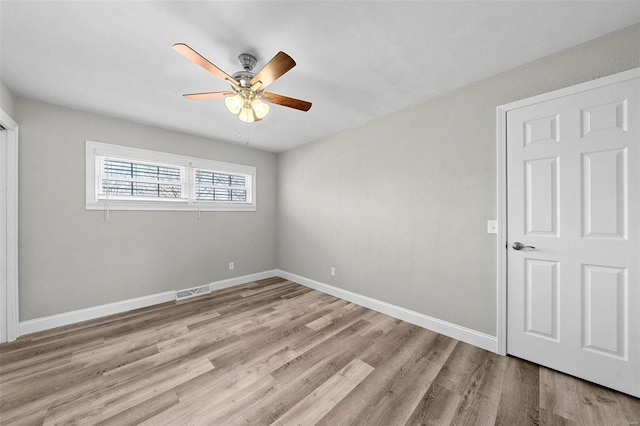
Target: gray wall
{"x":71,"y":258}
{"x":7,"y":100}
{"x":399,"y":205}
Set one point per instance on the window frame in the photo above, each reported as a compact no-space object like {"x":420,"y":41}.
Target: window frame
{"x":187,"y":165}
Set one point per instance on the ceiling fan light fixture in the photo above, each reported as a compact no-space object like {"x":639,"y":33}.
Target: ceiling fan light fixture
{"x":261,"y":109}
{"x":247,"y":115}
{"x":234,"y":103}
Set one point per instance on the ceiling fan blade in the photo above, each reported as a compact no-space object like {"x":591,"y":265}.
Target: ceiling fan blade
{"x":208,"y":95}
{"x":197,"y":58}
{"x":275,"y":68}
{"x":274,"y":98}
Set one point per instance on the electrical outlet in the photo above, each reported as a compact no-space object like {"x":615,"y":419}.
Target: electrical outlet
{"x":231,"y":265}
{"x":333,"y":271}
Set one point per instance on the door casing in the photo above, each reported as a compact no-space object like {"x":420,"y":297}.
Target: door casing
{"x":501,"y":132}
{"x":9,"y":192}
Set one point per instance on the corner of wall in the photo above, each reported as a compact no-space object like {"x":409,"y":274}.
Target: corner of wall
{"x":7,"y":99}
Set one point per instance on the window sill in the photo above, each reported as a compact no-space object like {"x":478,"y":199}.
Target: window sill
{"x":171,"y":206}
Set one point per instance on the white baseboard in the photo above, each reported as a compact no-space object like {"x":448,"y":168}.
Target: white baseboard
{"x":66,"y":318}
{"x":455,"y":331}
{"x":219,"y":285}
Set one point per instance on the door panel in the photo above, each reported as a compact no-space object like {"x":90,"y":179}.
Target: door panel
{"x":573,"y":195}
{"x":541,"y":298}
{"x":541,"y":196}
{"x":604,"y":307}
{"x":604,"y":194}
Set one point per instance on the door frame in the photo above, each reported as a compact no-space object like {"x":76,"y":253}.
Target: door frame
{"x":9,"y":257}
{"x":503,"y":220}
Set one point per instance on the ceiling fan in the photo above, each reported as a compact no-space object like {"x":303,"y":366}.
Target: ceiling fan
{"x":247,"y":97}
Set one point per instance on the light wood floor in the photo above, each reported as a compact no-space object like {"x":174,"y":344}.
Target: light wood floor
{"x":274,"y":352}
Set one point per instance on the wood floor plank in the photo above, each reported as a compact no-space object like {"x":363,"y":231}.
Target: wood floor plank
{"x":381,"y":324}
{"x":305,"y":373}
{"x":138,"y":413}
{"x":481,"y":398}
{"x":26,"y":367}
{"x":599,"y":406}
{"x":389,"y":344}
{"x":340,"y":324}
{"x":32,"y":355}
{"x":559,"y":395}
{"x":225,"y":387}
{"x":403,"y":394}
{"x":520,"y":398}
{"x":405,"y":390}
{"x":631,"y":408}
{"x":324,"y":351}
{"x":152,"y":362}
{"x":314,"y":406}
{"x":437,"y":407}
{"x":37,"y":385}
{"x":338,"y":308}
{"x":108,"y":401}
{"x":377,"y":386}
{"x":457,"y":372}
{"x":226,"y":411}
{"x":549,"y":418}
{"x":32,"y":410}
{"x":272,"y":351}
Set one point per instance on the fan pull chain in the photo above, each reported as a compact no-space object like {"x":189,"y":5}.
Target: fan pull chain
{"x":246,"y":127}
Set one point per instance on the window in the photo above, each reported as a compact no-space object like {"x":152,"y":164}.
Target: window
{"x":216,"y":186}
{"x":123,"y":178}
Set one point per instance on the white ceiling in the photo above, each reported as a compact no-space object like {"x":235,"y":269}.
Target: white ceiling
{"x":356,"y":60}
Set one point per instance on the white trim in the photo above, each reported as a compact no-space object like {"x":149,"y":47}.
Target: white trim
{"x":455,"y":331}
{"x":230,"y":282}
{"x":59,"y":320}
{"x":501,"y":136}
{"x":9,"y":191}
{"x":66,"y":318}
{"x":566,"y":91}
{"x":501,"y":255}
{"x":3,"y":236}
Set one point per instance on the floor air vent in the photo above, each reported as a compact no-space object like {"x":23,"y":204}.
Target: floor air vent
{"x":192,"y":292}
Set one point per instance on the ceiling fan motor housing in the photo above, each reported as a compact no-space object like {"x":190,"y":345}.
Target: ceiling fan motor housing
{"x":248,"y":62}
{"x":243,"y":78}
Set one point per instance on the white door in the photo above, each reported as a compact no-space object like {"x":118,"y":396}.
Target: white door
{"x":573,"y":193}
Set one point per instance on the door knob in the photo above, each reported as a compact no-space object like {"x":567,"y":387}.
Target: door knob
{"x":519,"y":246}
